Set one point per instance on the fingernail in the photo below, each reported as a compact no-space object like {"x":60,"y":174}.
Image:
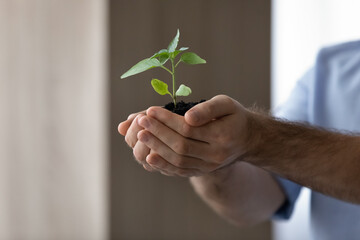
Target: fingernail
{"x":151,"y":112}
{"x":130,"y":116}
{"x":144,"y":122}
{"x":152,"y":161}
{"x":143,"y":138}
{"x":193,"y":115}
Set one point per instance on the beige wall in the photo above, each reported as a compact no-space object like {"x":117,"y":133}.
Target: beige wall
{"x":234,"y":37}
{"x":53,"y":117}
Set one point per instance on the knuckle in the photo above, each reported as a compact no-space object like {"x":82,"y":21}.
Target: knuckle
{"x":211,"y":107}
{"x":179,"y":162}
{"x":226,"y":100}
{"x":181,"y":147}
{"x":186,"y":130}
{"x":222,"y":97}
{"x":155,"y":128}
{"x":129,"y":141}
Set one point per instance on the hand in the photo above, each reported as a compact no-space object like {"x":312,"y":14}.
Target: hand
{"x":212,"y":135}
{"x":130,"y":129}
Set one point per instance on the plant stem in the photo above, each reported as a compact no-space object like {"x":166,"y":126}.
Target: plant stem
{"x":173,"y":81}
{"x":177,"y":63}
{"x":166,"y":69}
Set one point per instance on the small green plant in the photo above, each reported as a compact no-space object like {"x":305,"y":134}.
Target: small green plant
{"x":159,"y":59}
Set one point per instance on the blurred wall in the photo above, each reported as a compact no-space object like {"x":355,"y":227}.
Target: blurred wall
{"x":53,"y":116}
{"x":234,"y":37}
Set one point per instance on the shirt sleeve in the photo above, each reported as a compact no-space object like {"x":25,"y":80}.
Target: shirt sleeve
{"x":295,"y":109}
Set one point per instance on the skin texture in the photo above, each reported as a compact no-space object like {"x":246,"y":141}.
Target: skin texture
{"x":213,"y":179}
{"x":140,"y":150}
{"x":325,"y":161}
{"x":224,"y":148}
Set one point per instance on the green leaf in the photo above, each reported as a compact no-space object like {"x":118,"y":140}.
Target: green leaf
{"x":160,"y":87}
{"x":164,"y":57}
{"x":183,"y":49}
{"x":142,"y":66}
{"x":191,"y":58}
{"x":159,"y":53}
{"x":173,"y":44}
{"x":180,"y":50}
{"x":183,"y":91}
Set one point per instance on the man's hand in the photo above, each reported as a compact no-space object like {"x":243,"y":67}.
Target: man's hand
{"x":212,"y":135}
{"x":129,"y":129}
{"x":195,"y":144}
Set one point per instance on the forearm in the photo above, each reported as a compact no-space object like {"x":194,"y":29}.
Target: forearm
{"x":241,"y":193}
{"x":325,"y":161}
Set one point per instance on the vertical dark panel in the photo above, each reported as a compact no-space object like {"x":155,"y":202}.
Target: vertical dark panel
{"x":234,"y":37}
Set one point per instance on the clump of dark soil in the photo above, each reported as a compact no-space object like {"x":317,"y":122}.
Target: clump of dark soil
{"x":181,"y":107}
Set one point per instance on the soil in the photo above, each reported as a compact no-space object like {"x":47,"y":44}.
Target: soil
{"x":181,"y":107}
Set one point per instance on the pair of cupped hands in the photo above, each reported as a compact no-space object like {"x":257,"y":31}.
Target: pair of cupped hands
{"x":210,"y":136}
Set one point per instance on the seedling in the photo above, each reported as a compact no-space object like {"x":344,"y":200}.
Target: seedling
{"x":162,"y":57}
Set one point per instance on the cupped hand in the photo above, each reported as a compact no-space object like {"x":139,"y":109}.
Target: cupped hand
{"x":212,"y":135}
{"x":130,"y":129}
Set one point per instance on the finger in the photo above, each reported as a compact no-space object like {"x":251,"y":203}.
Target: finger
{"x":179,"y":144}
{"x":131,"y":134}
{"x":157,"y":162}
{"x":163,"y":172}
{"x":172,"y":157}
{"x":140,"y":152}
{"x":177,"y":123}
{"x":214,"y":108}
{"x":158,"y":169}
{"x":124,"y":126}
{"x":148,"y":168}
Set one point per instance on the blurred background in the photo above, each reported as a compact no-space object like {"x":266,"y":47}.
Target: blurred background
{"x":65,"y":172}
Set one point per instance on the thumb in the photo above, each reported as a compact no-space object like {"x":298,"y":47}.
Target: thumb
{"x":217,"y":107}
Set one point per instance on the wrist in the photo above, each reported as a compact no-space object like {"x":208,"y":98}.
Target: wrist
{"x":256,"y":127}
{"x":218,"y":175}
{"x":208,"y":184}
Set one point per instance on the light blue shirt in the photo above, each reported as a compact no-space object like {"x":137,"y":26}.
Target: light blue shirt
{"x":327,"y":96}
